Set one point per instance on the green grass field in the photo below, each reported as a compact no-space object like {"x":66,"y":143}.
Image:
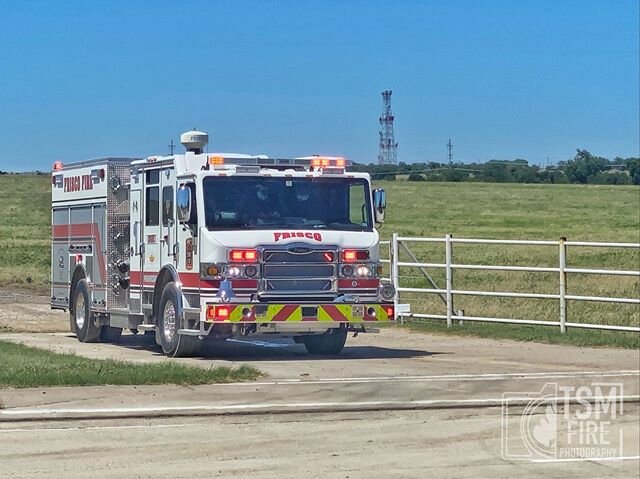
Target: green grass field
{"x":25,"y":230}
{"x":24,"y":367}
{"x":472,"y":210}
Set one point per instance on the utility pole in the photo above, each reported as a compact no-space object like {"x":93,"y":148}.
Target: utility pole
{"x":450,"y":154}
{"x":387,"y":148}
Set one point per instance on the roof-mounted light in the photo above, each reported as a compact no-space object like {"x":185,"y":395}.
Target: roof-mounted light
{"x":326,"y":161}
{"x":307,"y":162}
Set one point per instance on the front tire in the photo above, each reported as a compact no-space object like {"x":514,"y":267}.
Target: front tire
{"x":81,"y":320}
{"x":330,"y":342}
{"x":169,"y":319}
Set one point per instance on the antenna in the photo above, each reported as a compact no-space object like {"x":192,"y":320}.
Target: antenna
{"x":387,"y":148}
{"x":171,"y":148}
{"x":450,"y":154}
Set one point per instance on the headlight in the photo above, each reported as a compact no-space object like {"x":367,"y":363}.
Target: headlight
{"x":233,"y":271}
{"x":363,"y":271}
{"x":250,"y":271}
{"x":347,"y":270}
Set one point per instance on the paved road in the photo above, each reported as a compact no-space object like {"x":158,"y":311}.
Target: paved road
{"x":382,"y":444}
{"x":398,"y":404}
{"x":393,"y":352}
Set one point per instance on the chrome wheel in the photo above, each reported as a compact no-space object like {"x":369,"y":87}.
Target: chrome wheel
{"x":80,"y":319}
{"x":169,"y":321}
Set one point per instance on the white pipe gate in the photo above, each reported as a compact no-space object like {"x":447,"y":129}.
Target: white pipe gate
{"x":448,"y":292}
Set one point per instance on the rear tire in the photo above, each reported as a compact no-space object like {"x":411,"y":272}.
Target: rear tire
{"x":85,"y":327}
{"x":330,"y":342}
{"x":169,"y":319}
{"x":110,"y":334}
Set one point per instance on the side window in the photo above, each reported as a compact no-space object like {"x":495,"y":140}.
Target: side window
{"x":153,"y":177}
{"x":193,"y":219}
{"x":358,"y":213}
{"x":152,"y":203}
{"x":152,"y":206}
{"x":167,"y":205}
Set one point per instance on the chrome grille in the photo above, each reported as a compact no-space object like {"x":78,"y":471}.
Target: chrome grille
{"x":299,"y":270}
{"x":295,"y":271}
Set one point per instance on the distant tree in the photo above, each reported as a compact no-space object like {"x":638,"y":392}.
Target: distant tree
{"x":553,"y":176}
{"x":633,"y":165}
{"x":527,"y":175}
{"x":454,"y":174}
{"x":383,"y":176}
{"x":610,"y":178}
{"x":584,"y":166}
{"x":496,"y":172}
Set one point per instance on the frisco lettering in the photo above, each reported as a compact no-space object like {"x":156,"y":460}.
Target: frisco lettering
{"x":77,"y":183}
{"x":297,"y":234}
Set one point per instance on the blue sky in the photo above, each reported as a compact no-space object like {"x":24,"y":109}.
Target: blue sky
{"x":504,"y":79}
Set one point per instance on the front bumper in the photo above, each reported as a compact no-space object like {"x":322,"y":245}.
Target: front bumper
{"x":294,"y":312}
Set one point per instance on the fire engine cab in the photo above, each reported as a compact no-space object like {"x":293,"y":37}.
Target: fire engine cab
{"x":206,"y":246}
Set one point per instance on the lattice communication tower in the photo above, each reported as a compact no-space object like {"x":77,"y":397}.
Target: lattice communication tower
{"x":388,"y":148}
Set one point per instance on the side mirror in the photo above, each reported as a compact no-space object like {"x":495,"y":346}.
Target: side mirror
{"x":379,"y":204}
{"x":183,"y":203}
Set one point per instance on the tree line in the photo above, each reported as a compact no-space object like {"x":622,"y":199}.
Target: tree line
{"x":584,"y":168}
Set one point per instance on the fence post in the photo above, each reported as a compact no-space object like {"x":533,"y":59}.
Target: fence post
{"x":395,"y":275}
{"x":563,"y":284}
{"x":448,"y":253}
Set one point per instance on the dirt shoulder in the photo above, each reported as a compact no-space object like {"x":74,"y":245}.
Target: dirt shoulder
{"x":28,"y":312}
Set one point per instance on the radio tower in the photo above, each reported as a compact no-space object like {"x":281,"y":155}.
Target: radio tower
{"x":387,"y":154}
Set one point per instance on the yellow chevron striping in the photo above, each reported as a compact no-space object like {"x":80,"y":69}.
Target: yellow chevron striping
{"x":347,"y":311}
{"x":296,"y":315}
{"x":323,"y":315}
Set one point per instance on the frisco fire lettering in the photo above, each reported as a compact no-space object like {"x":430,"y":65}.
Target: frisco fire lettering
{"x":297,"y":234}
{"x":77,"y":183}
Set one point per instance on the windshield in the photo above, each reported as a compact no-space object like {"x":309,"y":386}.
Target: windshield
{"x":239,"y":202}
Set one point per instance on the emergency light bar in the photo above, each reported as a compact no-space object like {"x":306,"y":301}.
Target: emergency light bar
{"x":303,"y":162}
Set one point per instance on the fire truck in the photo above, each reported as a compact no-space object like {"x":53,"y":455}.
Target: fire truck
{"x":211,"y":246}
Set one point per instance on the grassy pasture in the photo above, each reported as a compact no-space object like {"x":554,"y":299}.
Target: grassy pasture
{"x":25,"y":230}
{"x":472,"y":210}
{"x":514,"y":211}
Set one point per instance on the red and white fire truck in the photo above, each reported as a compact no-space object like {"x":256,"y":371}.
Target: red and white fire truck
{"x":215,"y":245}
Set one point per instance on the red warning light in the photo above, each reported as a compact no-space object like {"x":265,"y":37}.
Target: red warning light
{"x":352,"y":255}
{"x":217,"y":313}
{"x":243,"y":256}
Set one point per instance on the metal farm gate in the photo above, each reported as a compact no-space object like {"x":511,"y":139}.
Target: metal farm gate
{"x":406,"y":269}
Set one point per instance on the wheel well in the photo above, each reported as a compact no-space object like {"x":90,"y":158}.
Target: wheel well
{"x":165,"y":276}
{"x":78,"y":274}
